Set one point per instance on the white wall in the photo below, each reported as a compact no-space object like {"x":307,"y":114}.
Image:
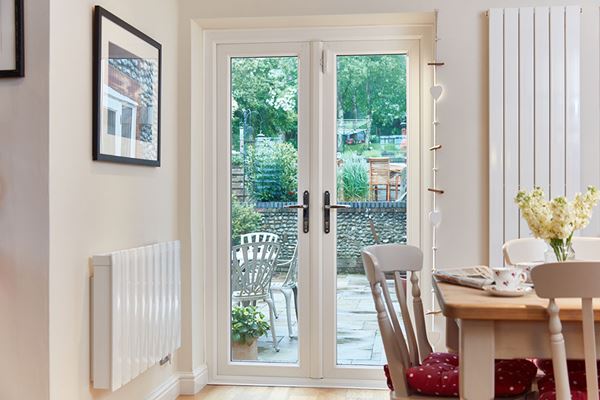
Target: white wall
{"x":463,"y":111}
{"x":97,"y":207}
{"x":24,"y":218}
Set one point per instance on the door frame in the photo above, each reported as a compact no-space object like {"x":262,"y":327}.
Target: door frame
{"x":423,"y":34}
{"x":331,"y":50}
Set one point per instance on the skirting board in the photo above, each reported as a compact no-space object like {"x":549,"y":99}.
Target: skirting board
{"x":168,"y":390}
{"x":192,"y":382}
{"x":184,"y":383}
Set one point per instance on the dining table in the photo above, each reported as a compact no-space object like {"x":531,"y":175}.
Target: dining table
{"x":482,"y":328}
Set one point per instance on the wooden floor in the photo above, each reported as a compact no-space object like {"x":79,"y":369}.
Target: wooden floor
{"x":284,"y":393}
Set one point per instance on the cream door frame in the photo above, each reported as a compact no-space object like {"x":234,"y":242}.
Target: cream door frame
{"x":313,"y":372}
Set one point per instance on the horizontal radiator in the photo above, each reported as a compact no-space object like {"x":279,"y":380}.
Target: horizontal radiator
{"x":136,"y":312}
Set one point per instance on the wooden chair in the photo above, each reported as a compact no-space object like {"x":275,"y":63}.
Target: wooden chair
{"x":397,"y":259}
{"x":412,"y":359}
{"x":380,"y":175}
{"x":586,"y":248}
{"x":570,"y":280}
{"x":524,"y":250}
{"x":252,"y":267}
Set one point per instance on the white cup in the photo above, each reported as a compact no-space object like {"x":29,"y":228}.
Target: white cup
{"x":509,"y":278}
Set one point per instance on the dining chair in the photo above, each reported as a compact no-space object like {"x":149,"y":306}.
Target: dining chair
{"x":414,"y":371}
{"x":289,"y":287}
{"x":576,"y":279}
{"x":252,"y":267}
{"x":523,"y":250}
{"x":586,"y":248}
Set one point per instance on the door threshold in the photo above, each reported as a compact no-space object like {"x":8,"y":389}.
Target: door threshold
{"x":277,"y":381}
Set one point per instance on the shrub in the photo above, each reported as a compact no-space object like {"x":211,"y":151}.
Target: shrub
{"x":244,"y":219}
{"x":354,"y":182}
{"x":273,"y":172}
{"x":247,"y":324}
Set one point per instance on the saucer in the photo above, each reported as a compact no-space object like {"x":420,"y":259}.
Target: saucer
{"x":520,"y":291}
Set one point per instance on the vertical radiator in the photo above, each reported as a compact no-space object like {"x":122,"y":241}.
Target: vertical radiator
{"x":136,"y":312}
{"x":534,"y":132}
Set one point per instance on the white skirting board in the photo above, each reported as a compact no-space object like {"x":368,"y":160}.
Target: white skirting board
{"x":184,"y":383}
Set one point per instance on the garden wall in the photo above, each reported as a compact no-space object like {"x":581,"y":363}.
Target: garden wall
{"x":388,"y":220}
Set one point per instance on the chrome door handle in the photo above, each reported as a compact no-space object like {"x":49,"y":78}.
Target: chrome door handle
{"x":305,"y":207}
{"x":327,"y":207}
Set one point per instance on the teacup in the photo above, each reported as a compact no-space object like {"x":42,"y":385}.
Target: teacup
{"x":509,"y":278}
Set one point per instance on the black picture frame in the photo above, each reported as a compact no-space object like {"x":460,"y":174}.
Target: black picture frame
{"x":100,"y":16}
{"x":19,"y":70}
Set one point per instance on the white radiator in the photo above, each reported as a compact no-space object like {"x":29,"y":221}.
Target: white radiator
{"x":534,"y":133}
{"x":136,"y":311}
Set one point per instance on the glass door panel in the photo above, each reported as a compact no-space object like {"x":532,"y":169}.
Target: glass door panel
{"x":371,"y":179}
{"x":264,"y":232}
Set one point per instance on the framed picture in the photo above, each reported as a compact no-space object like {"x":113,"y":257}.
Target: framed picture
{"x":127,"y":85}
{"x":12,"y":54}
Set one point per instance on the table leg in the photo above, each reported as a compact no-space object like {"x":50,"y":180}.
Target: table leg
{"x":452,"y":337}
{"x":476,"y":360}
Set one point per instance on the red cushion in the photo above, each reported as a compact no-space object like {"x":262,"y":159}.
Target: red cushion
{"x":577,"y":384}
{"x":545,"y":365}
{"x":438,"y":376}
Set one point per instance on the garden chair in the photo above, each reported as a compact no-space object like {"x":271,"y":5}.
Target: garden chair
{"x":569,"y":280}
{"x":380,"y":175}
{"x":258,"y":237}
{"x":289,"y":287}
{"x":252,"y":267}
{"x":414,"y":371}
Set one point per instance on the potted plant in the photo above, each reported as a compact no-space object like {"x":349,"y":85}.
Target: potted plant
{"x":247,"y":325}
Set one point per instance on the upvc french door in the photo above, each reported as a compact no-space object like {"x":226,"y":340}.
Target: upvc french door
{"x":312,"y":141}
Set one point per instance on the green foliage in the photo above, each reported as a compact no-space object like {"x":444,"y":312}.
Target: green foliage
{"x":353,"y":178}
{"x":236,"y":159}
{"x":273,"y":172}
{"x":244,"y":219}
{"x":266,"y":89}
{"x":373,"y":86}
{"x":247,"y":324}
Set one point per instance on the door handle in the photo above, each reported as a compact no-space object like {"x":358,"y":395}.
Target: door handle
{"x":305,"y":206}
{"x":327,"y":207}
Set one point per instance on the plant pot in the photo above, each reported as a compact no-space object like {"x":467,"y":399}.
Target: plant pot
{"x":244,"y":351}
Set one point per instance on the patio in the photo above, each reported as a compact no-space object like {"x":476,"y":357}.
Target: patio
{"x":358,"y":340}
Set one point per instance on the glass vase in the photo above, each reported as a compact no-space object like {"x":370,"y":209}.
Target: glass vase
{"x":559,"y":250}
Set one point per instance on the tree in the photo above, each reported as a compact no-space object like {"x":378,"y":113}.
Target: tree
{"x":266,"y":88}
{"x":373,"y":87}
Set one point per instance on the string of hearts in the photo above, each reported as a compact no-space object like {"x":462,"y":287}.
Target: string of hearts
{"x":435,"y":215}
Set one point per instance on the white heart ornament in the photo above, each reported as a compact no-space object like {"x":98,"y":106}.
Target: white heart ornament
{"x":435,"y":217}
{"x":436,"y":92}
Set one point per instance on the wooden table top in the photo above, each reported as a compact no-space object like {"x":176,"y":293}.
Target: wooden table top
{"x":462,"y":302}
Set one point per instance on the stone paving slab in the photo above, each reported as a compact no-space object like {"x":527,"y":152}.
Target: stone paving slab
{"x":358,"y":339}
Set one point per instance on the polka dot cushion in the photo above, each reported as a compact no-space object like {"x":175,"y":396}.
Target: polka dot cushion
{"x":577,"y":382}
{"x":438,"y":376}
{"x":545,"y":365}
